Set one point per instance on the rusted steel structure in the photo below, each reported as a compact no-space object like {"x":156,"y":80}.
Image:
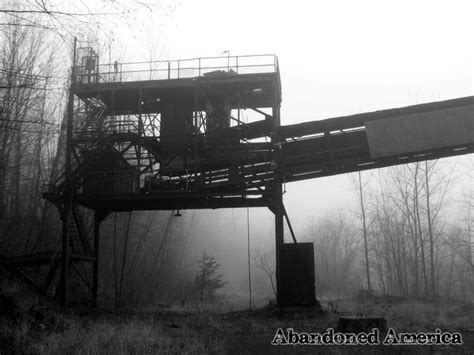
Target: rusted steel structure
{"x":171,"y":135}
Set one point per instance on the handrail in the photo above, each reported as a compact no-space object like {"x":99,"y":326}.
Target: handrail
{"x":193,"y":59}
{"x":176,"y":69}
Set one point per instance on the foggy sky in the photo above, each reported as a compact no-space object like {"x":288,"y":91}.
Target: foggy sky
{"x":336,"y":58}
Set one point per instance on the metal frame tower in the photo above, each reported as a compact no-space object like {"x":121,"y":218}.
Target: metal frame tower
{"x":171,"y":135}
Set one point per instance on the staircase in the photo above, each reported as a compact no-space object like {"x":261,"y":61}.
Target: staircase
{"x":89,"y":139}
{"x":93,"y":125}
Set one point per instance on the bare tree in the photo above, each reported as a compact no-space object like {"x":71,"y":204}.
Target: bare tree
{"x":360,"y":189}
{"x":406,"y":209}
{"x":29,"y":101}
{"x":335,"y":253}
{"x":264,"y":260}
{"x":67,"y":18}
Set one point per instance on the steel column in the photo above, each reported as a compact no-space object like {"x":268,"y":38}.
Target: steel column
{"x":64,"y":256}
{"x":277,"y":189}
{"x":68,"y":196}
{"x":95,"y":271}
{"x":99,"y":216}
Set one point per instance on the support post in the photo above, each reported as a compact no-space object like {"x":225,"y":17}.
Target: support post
{"x":99,"y":216}
{"x":63,"y":286}
{"x":141,"y":134}
{"x":277,"y":189}
{"x":279,"y":236}
{"x":68,"y":196}
{"x":95,"y":271}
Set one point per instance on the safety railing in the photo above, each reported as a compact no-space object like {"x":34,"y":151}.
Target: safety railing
{"x":121,"y":123}
{"x":177,"y":69}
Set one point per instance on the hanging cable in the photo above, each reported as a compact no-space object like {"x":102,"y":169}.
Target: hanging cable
{"x":248,"y":259}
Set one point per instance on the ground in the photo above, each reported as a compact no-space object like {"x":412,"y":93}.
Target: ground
{"x":212,"y":328}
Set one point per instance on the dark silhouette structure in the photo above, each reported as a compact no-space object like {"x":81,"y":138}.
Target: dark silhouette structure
{"x":171,"y":135}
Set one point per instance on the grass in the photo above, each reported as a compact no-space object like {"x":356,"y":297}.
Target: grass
{"x":415,"y":315}
{"x":103,"y":335}
{"x":204,"y":328}
{"x":36,"y":327}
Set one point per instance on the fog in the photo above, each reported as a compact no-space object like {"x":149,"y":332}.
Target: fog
{"x":392,"y":247}
{"x":336,"y":58}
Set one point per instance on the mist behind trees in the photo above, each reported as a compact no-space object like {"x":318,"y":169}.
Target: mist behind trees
{"x":419,"y":217}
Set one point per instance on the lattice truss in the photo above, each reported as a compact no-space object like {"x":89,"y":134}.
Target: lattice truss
{"x":191,"y":136}
{"x":204,"y":159}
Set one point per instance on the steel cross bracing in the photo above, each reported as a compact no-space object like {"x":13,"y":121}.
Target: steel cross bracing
{"x":167,"y":148}
{"x":232,"y":170}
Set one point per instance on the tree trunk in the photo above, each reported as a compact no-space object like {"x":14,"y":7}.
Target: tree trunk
{"x":416,"y":208}
{"x":430,"y":233}
{"x":364,"y":226}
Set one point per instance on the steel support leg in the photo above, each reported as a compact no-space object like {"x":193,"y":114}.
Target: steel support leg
{"x":279,"y":239}
{"x":278,"y":191}
{"x":64,"y":257}
{"x":95,"y":271}
{"x":99,"y":216}
{"x":68,"y":196}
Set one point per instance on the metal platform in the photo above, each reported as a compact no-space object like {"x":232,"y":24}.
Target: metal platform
{"x":172,"y":135}
{"x":241,"y":173}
